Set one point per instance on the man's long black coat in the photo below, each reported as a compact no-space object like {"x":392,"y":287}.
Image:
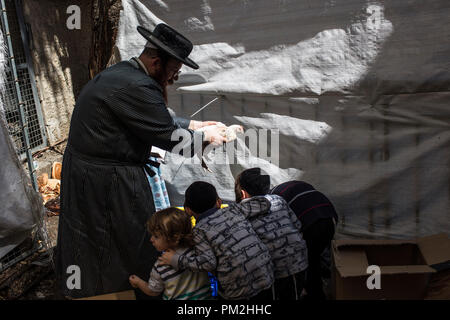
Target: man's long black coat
{"x":105,"y":196}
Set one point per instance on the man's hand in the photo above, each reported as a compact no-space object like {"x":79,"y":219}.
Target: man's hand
{"x":195,"y":125}
{"x":216,"y":134}
{"x":166,"y":257}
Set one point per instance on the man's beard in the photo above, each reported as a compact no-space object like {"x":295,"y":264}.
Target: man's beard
{"x":165,"y":94}
{"x":163,"y":85}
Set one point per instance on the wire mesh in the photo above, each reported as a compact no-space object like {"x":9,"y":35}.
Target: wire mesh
{"x":10,"y":100}
{"x":9,"y":95}
{"x":22,"y":251}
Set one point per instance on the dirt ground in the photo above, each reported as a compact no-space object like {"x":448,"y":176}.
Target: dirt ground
{"x":51,"y":224}
{"x":45,"y":288}
{"x":33,"y":278}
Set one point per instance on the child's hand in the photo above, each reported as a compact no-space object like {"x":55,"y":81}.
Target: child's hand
{"x":134,"y":280}
{"x":166,"y":257}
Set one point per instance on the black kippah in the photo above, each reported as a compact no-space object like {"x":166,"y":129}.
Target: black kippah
{"x":200,"y":196}
{"x":255,"y":183}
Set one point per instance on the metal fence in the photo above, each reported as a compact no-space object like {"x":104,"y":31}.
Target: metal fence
{"x":22,"y":109}
{"x":25,"y":77}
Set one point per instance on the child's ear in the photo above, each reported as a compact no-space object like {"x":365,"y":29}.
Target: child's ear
{"x":244,"y":194}
{"x":218,"y":203}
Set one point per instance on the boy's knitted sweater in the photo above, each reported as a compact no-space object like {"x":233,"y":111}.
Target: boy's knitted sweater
{"x":279,"y":230}
{"x":227,"y":245}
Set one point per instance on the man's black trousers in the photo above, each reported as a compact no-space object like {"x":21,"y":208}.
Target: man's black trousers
{"x":318,"y":236}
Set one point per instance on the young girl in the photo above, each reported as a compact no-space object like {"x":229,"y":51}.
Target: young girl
{"x":171,"y":228}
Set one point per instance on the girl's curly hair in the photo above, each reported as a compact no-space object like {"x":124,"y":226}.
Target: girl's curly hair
{"x":174,"y":225}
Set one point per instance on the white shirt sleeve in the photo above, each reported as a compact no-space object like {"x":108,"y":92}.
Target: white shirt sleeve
{"x":155,"y":283}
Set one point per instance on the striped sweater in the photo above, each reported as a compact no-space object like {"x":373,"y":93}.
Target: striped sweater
{"x":279,"y":229}
{"x":179,"y":284}
{"x":227,"y":245}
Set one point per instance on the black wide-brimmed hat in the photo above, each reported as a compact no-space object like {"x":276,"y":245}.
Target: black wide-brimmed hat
{"x":170,"y":41}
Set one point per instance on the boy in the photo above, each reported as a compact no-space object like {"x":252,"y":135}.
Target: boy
{"x":171,"y":228}
{"x":226,"y":244}
{"x":279,"y":230}
{"x":318,"y":217}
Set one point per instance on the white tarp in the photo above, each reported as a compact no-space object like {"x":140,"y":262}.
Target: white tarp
{"x":359,"y":91}
{"x":20,"y":206}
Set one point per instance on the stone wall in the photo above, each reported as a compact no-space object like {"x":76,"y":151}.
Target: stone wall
{"x":64,"y":60}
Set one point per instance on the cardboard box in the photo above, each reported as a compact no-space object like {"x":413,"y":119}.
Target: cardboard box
{"x":123,"y":295}
{"x":439,"y":286}
{"x":406,"y":268}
